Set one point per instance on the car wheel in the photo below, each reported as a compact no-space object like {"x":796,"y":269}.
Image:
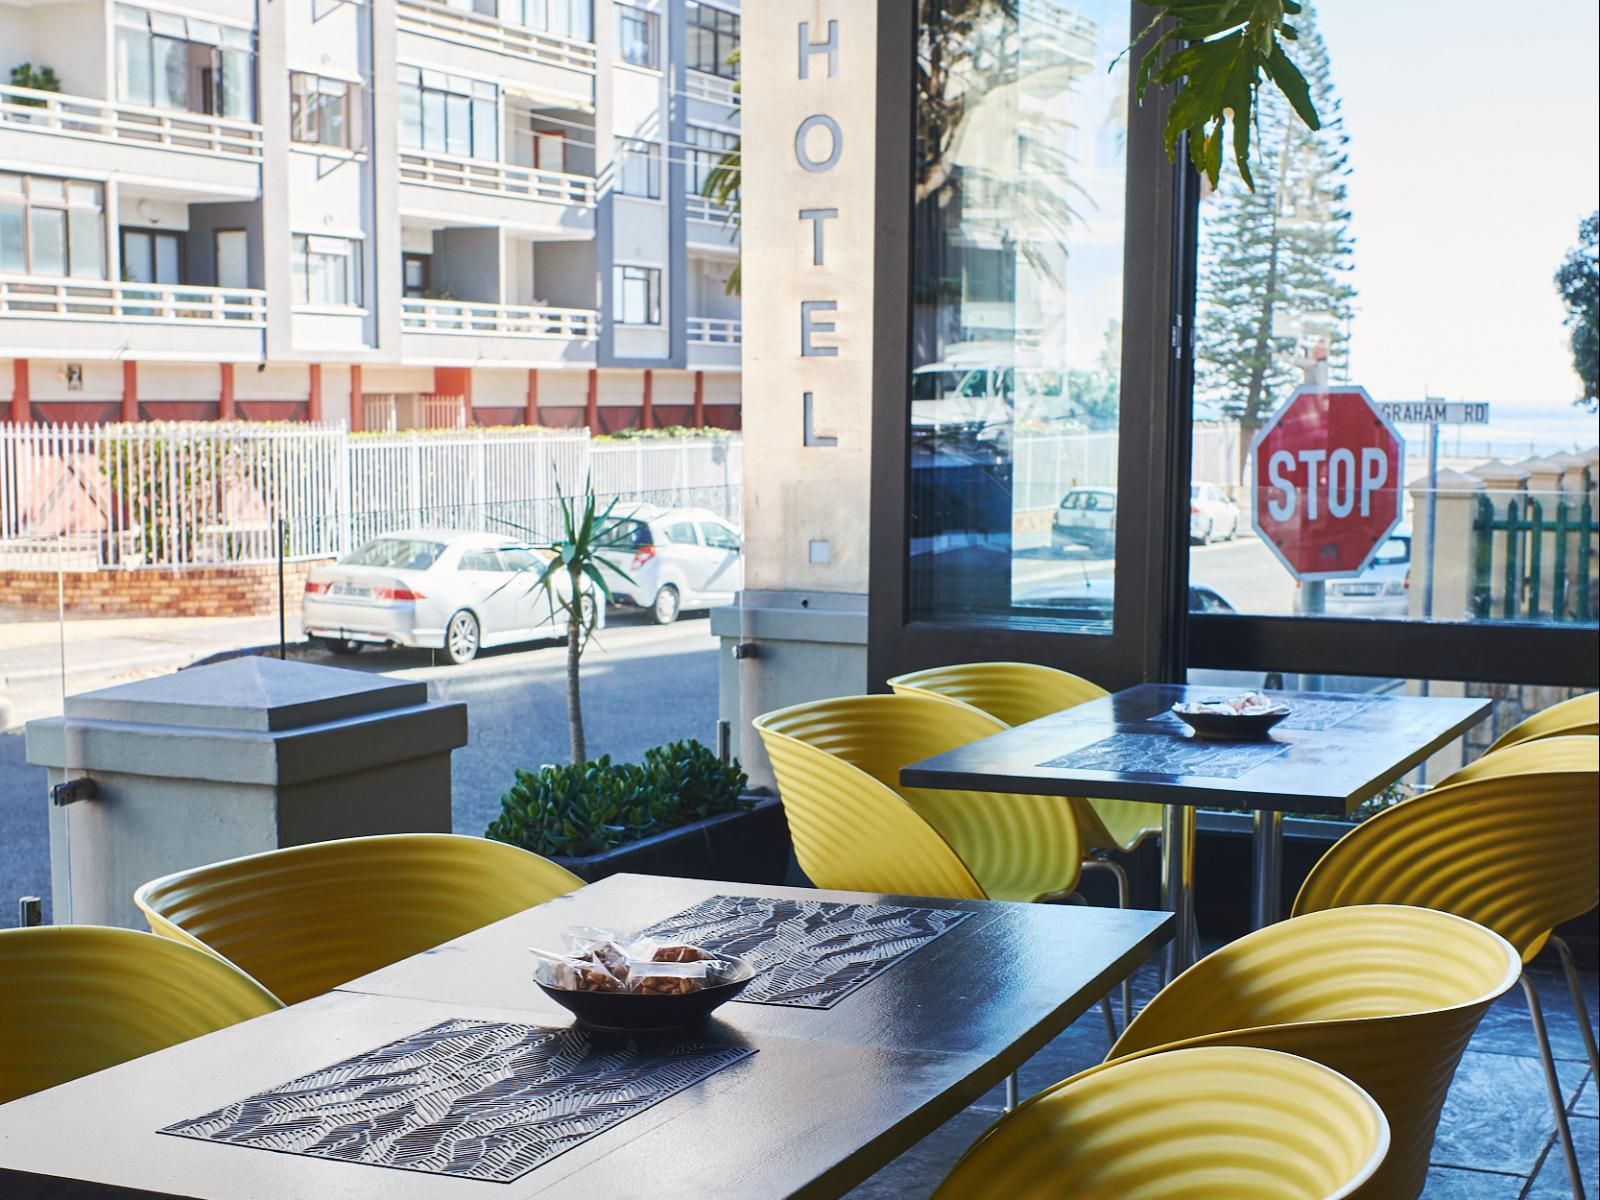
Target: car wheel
{"x":1233,"y":529}
{"x":341,"y":646}
{"x":461,"y":637}
{"x":1211,"y":527}
{"x":665,"y":610}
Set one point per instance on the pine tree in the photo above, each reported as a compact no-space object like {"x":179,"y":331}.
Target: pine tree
{"x":1275,"y":260}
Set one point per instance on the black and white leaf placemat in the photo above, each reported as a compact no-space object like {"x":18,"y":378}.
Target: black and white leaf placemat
{"x":808,"y":953}
{"x":1168,"y":754}
{"x":478,"y":1099}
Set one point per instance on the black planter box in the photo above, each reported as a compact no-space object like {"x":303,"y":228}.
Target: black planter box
{"x":739,"y":847}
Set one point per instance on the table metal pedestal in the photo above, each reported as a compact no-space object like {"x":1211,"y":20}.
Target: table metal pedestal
{"x":1177,"y":884}
{"x":1266,"y":869}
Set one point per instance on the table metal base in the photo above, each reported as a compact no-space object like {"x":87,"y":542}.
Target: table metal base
{"x":1177,"y":884}
{"x":1266,"y":869}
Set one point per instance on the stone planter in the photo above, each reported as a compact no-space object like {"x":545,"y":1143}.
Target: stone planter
{"x":740,"y":847}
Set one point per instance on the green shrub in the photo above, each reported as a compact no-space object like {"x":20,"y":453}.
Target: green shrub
{"x":584,"y":808}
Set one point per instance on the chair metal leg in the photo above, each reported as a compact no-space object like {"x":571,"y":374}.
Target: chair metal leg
{"x":1553,"y":1083}
{"x":1578,"y":1006}
{"x":1123,"y":897}
{"x":1105,"y":1001}
{"x":1011,"y":1092}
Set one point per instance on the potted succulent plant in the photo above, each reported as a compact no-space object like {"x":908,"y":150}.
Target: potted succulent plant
{"x":681,"y":811}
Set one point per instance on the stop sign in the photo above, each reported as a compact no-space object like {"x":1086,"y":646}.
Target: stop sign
{"x":1326,"y":476}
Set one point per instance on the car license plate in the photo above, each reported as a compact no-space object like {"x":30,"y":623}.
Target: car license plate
{"x":349,"y":589}
{"x":1359,"y":589}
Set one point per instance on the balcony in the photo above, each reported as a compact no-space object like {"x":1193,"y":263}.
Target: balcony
{"x":715,"y":341}
{"x":709,"y":225}
{"x":99,"y":319}
{"x":496,"y":193}
{"x":463,"y":332}
{"x":132,"y":139}
{"x":701,"y":85}
{"x":562,"y":69}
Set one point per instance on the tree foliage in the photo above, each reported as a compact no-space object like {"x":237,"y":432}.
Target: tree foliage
{"x":1275,"y":257}
{"x":1578,"y":281}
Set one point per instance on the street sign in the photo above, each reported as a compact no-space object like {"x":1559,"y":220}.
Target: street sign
{"x":1435,"y":412}
{"x":1326,"y":475}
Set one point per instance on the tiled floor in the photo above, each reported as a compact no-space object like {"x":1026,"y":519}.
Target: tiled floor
{"x":1496,"y":1139}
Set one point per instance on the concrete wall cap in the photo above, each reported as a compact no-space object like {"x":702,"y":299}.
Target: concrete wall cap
{"x":254,"y":694}
{"x":1448,"y":480}
{"x":1495,"y":471}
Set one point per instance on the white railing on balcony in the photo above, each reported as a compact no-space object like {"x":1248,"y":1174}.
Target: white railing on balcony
{"x":103,"y":120}
{"x":702,"y":85}
{"x":702,"y":208}
{"x":498,"y":320}
{"x":103,"y":300}
{"x":494,"y":178}
{"x":715,"y":331}
{"x":490,"y":33}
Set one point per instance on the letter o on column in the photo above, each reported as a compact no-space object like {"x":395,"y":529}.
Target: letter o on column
{"x":835,"y":143}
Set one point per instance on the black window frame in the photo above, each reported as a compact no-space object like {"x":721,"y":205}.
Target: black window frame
{"x":628,"y":14}
{"x":722,"y":31}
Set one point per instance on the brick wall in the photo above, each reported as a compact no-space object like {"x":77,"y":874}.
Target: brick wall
{"x":194,"y":592}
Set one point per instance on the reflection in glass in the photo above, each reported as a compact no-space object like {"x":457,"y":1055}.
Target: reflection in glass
{"x":1017,"y":303}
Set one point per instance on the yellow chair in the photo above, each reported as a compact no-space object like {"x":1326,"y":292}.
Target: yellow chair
{"x":855,"y":828}
{"x":76,"y":999}
{"x":1386,"y":995}
{"x":1580,"y":714}
{"x":304,"y":920}
{"x":1508,"y":841}
{"x":1202,"y":1124}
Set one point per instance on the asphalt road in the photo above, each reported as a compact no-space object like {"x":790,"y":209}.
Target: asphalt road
{"x":642,"y":685}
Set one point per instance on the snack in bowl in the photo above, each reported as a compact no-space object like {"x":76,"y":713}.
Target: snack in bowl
{"x":1249,"y":715}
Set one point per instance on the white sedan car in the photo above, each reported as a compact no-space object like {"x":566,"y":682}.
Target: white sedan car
{"x":677,"y":558}
{"x":436,"y":589}
{"x":1212,"y":515}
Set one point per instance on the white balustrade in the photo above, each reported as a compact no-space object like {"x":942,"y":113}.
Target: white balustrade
{"x":702,"y":208}
{"x":498,"y":320}
{"x":715,"y":331}
{"x":494,"y":178}
{"x":702,"y":85}
{"x":490,"y":33}
{"x":104,"y":120}
{"x":49,"y":298}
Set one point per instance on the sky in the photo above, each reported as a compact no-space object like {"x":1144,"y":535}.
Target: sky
{"x":1475,"y":151}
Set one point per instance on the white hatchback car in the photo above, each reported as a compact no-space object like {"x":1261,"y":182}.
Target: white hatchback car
{"x":1211,"y":514}
{"x":437,"y":589}
{"x":677,"y":558}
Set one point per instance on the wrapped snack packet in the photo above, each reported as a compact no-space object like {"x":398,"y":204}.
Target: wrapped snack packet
{"x":681,"y":952}
{"x":573,"y":974}
{"x":666,"y":978}
{"x":601,"y":945}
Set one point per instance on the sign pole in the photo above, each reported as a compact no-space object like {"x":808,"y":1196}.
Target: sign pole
{"x":1433,"y":521}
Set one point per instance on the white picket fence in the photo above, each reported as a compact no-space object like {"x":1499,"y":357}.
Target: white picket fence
{"x":1046,"y":467}
{"x":169,"y":495}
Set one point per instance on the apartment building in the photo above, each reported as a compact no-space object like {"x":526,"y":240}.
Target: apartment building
{"x":396,"y":213}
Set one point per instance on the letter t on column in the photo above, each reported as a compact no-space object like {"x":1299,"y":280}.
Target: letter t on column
{"x":829,"y":47}
{"x":817,"y":216}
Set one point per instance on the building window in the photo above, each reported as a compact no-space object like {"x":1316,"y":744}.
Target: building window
{"x":564,"y":18}
{"x":152,"y":256}
{"x":327,"y":271}
{"x":448,"y":114}
{"x":325,"y":112}
{"x":416,"y":275}
{"x":636,"y":295}
{"x":636,"y":36}
{"x":52,"y":227}
{"x":638,"y":168}
{"x":706,"y":149}
{"x":166,"y":61}
{"x":713,"y":37}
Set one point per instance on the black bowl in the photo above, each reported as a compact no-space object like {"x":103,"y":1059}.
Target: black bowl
{"x":1231,"y":727}
{"x":629,"y":1012}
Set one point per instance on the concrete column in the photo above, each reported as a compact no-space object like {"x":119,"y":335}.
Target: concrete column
{"x":1544,"y":486}
{"x":21,"y":393}
{"x":1503,"y":483}
{"x":314,"y":395}
{"x":531,"y":413}
{"x":225,"y":407}
{"x":383,"y":237}
{"x":272,"y":66}
{"x":591,"y":405}
{"x":647,"y":401}
{"x":699,"y":399}
{"x":357,"y":409}
{"x":1453,"y":566}
{"x":130,"y":390}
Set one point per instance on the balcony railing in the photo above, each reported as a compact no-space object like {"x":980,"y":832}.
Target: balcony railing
{"x":701,"y":85}
{"x":494,"y":178}
{"x":490,"y":33}
{"x":498,"y":320}
{"x":715,"y":331}
{"x":102,"y":300}
{"x":700,"y":208}
{"x":103,"y":120}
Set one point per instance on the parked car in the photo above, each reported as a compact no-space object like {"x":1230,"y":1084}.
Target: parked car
{"x":1087,"y":517}
{"x":1382,"y":590}
{"x":1092,"y":599}
{"x":677,"y":558}
{"x":435,"y":589}
{"x":1212,"y":515}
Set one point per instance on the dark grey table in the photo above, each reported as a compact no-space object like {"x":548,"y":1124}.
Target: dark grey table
{"x":1335,"y":751}
{"x":830,"y":1096}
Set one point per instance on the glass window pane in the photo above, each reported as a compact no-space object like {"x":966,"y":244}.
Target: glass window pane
{"x":134,"y":79}
{"x":88,"y":244}
{"x":1016,"y":354}
{"x":238,"y":85}
{"x":458,"y":125}
{"x":13,"y":254}
{"x":47,"y":241}
{"x":300,"y":268}
{"x":167,"y":259}
{"x":485,"y":130}
{"x":233,"y":263}
{"x":433,"y":123}
{"x":138,"y":257}
{"x":411,"y":117}
{"x":41,"y":188}
{"x":170,"y":81}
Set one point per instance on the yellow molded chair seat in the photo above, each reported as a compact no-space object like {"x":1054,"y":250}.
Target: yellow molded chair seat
{"x":1580,"y":714}
{"x":1386,"y":995}
{"x":1223,"y":1123}
{"x":855,"y":828}
{"x":304,"y":920}
{"x":1016,"y":693}
{"x":75,"y":999}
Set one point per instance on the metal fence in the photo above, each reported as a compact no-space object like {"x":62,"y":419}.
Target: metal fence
{"x":1540,"y":567}
{"x":200,"y":494}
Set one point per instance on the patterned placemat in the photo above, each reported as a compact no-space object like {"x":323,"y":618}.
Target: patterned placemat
{"x":1160,"y":754}
{"x":810,"y":953}
{"x":1310,"y":716}
{"x":479,"y":1099}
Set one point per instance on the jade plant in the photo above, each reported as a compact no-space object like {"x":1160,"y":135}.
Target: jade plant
{"x":576,"y":809}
